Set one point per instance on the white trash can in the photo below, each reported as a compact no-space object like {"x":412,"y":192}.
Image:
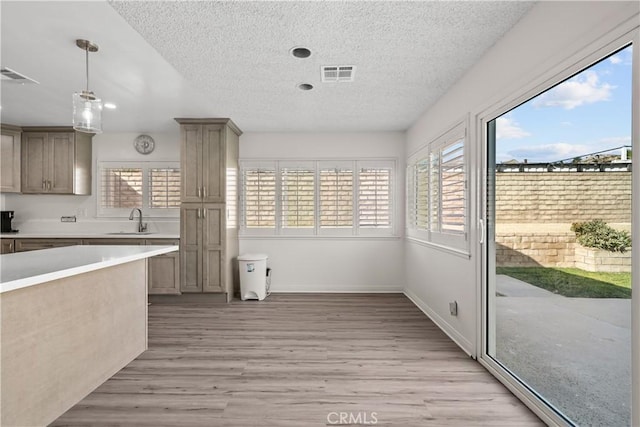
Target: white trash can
{"x":253,"y":276}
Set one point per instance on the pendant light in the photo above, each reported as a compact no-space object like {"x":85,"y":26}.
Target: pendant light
{"x":87,"y":109}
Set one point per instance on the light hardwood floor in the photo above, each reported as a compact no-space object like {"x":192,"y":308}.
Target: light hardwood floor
{"x":299,"y":360}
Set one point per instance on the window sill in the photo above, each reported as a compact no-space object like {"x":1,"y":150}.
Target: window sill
{"x":454,"y":251}
{"x":315,"y":237}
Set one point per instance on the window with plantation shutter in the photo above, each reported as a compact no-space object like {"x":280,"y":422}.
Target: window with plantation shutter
{"x":153,"y":187}
{"x":374,"y":197}
{"x":297,"y":197}
{"x":329,"y":198}
{"x":336,"y":197}
{"x":452,"y":188}
{"x":259,"y":197}
{"x":164,"y":188}
{"x":121,"y":188}
{"x":439,"y":196}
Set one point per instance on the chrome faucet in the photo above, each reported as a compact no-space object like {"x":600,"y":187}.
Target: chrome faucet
{"x":142,"y":227}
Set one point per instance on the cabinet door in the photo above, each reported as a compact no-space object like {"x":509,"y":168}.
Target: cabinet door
{"x":34,"y":166}
{"x":164,"y":274}
{"x":164,"y":270}
{"x":10,"y":161}
{"x":213,"y":169}
{"x":191,"y":247}
{"x":61,"y":162}
{"x":23,"y":245}
{"x":213,"y":244}
{"x":6,"y":246}
{"x":191,"y":163}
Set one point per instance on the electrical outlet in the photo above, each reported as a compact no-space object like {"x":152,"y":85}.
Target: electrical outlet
{"x":68,"y":218}
{"x":453,"y":308}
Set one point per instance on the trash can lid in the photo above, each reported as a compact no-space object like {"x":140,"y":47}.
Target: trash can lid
{"x":252,"y":257}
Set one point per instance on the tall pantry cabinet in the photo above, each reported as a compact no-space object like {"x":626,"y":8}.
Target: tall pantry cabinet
{"x":208,"y":214}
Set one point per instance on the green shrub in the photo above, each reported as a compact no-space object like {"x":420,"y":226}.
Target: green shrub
{"x":597,"y":234}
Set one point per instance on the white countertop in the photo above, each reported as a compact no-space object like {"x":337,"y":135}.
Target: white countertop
{"x":60,"y":235}
{"x":24,"y":269}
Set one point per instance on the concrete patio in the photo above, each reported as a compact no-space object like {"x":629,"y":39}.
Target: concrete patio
{"x":574,"y":351}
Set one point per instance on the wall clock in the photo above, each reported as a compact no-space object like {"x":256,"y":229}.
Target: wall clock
{"x":144,"y":144}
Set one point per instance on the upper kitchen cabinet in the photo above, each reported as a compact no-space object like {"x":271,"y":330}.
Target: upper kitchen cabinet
{"x":10,"y":159}
{"x":204,"y":151}
{"x":56,"y":160}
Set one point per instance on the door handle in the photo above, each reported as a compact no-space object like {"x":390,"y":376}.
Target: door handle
{"x":481,"y":227}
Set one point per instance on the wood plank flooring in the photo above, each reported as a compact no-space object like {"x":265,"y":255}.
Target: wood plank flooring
{"x":299,"y":360}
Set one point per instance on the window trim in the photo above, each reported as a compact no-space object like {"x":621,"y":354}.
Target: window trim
{"x":320,"y":232}
{"x":432,"y":234}
{"x":148,"y":212}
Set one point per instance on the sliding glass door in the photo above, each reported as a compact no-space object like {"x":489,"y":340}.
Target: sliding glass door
{"x":559,"y":186}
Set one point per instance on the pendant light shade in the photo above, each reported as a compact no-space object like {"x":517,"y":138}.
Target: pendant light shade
{"x":87,"y":113}
{"x":87,"y":108}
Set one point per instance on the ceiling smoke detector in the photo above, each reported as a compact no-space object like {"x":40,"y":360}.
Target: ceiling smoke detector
{"x":10,"y":75}
{"x":338,"y":73}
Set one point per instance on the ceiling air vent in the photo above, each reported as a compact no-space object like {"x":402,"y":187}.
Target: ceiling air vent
{"x":13,"y":76}
{"x":338,"y":73}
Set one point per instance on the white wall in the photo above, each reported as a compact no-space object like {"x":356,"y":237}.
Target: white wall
{"x":41,"y":213}
{"x":551,"y":33}
{"x":325,"y":264}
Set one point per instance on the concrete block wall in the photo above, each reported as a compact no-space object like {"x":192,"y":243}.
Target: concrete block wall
{"x":539,"y":197}
{"x":590,"y":259}
{"x":535,"y":249}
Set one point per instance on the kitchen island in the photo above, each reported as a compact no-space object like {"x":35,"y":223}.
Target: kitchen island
{"x":71,"y":318}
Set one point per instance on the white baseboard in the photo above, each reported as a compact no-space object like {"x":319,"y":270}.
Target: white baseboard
{"x":460,"y":340}
{"x":307,"y":288}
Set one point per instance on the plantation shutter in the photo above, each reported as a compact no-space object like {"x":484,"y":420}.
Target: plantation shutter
{"x":297,"y":196}
{"x":453,"y":188}
{"x":410,"y":196}
{"x":164,"y":188}
{"x":232,"y":198}
{"x":120,"y":187}
{"x":434,"y":191}
{"x":336,"y":196}
{"x":422,"y":195}
{"x":374,"y":196}
{"x":259,"y":201}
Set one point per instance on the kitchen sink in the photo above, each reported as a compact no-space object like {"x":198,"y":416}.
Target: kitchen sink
{"x":129,"y":233}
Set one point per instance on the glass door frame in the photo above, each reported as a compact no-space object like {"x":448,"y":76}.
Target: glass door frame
{"x":616,"y":39}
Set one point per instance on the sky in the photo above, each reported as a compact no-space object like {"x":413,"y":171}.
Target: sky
{"x":587,"y":113}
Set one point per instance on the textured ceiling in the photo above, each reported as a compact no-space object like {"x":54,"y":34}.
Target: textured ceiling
{"x":407,"y":54}
{"x":160,"y":60}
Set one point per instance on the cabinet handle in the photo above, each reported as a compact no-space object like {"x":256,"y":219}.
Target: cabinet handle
{"x":198,"y":214}
{"x":49,"y":185}
{"x":199,"y":192}
{"x":44,"y":184}
{"x":204,"y":213}
{"x":11,"y":247}
{"x":204,"y":192}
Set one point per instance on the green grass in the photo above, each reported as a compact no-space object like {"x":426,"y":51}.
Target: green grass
{"x":573,"y":282}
